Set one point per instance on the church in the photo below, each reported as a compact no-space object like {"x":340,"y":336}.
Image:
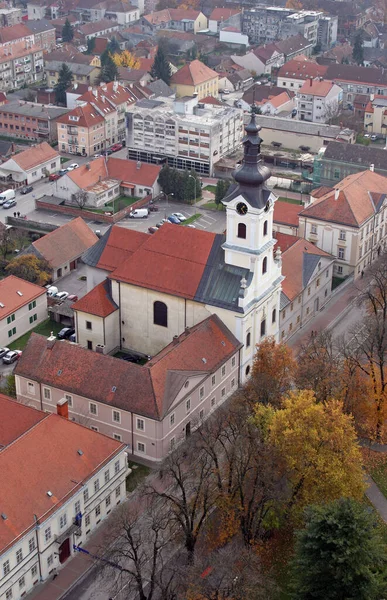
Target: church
{"x":148,"y":289}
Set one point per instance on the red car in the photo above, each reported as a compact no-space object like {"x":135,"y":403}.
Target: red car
{"x":53,"y":177}
{"x":72,"y":298}
{"x":116,"y":147}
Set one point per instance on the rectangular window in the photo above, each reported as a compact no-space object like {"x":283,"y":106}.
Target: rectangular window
{"x":118,"y":490}
{"x":96,"y":486}
{"x":93,"y":428}
{"x":85,"y":495}
{"x":107,"y":501}
{"x":172,"y":443}
{"x":140,"y":424}
{"x":22,"y":582}
{"x":313,"y":229}
{"x":188,"y":405}
{"x":232,"y":383}
{"x":34,"y":571}
{"x":32,"y":305}
{"x":223,"y":392}
{"x":116,"y":416}
{"x":47,"y":394}
{"x":117,"y":437}
{"x":201,"y":414}
{"x":89,"y":345}
{"x":107,"y":475}
{"x":213,"y":380}
{"x":140,"y":447}
{"x":77,"y":507}
{"x":342,"y":235}
{"x":172,"y":419}
{"x":8,"y":594}
{"x":223,"y":370}
{"x":62,"y":521}
{"x":98,"y":510}
{"x":212,"y":402}
{"x":50,"y":560}
{"x":341,"y":253}
{"x":6,"y":568}
{"x":201,"y":393}
{"x":12,"y":332}
{"x":47,"y":534}
{"x":88,"y":325}
{"x":19,"y":555}
{"x":117,"y":467}
{"x":233,"y":361}
{"x":10,"y":319}
{"x":93,"y":409}
{"x":318,"y":282}
{"x":87,"y":521}
{"x":31,"y":544}
{"x":69,"y":399}
{"x":263,"y":327}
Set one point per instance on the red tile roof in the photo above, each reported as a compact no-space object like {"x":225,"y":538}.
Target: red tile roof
{"x":315,"y":87}
{"x":286,"y":213}
{"x":46,"y":459}
{"x":222,"y":14}
{"x":320,"y":191}
{"x":14,"y":32}
{"x":35,"y":156}
{"x":113,"y":92}
{"x":66,"y":243}
{"x":145,"y":64}
{"x":358,"y":199}
{"x":296,"y":69}
{"x":130,"y":171}
{"x":211,"y":100}
{"x":86,"y":116}
{"x":171,"y":261}
{"x":16,"y":419}
{"x":115,"y":246}
{"x":9,"y":297}
{"x":97,"y":26}
{"x":89,"y":173}
{"x":97,"y":302}
{"x":160,"y":17}
{"x":193,"y":73}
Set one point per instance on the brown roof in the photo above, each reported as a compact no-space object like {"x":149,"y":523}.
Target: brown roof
{"x":193,"y":73}
{"x":265,"y":52}
{"x":222,"y":14}
{"x":114,"y":92}
{"x":9,"y":297}
{"x":147,"y":390}
{"x":24,"y":417}
{"x":296,"y":69}
{"x":96,"y":26}
{"x":321,"y":191}
{"x":130,"y":171}
{"x":66,"y":243}
{"x":171,"y":14}
{"x":315,"y":87}
{"x":15,"y":32}
{"x":35,"y":156}
{"x":115,"y":246}
{"x":357,"y":74}
{"x":171,"y":261}
{"x":360,"y":196}
{"x":286,"y":213}
{"x":211,"y":100}
{"x":87,"y":116}
{"x":44,"y":459}
{"x":97,"y":302}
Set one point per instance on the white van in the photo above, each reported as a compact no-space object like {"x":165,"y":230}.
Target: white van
{"x":7,"y":195}
{"x":139,"y":213}
{"x":52,"y":291}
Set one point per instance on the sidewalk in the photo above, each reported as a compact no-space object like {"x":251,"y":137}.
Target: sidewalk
{"x":376,"y":498}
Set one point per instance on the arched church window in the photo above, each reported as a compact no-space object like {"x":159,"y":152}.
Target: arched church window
{"x":248,"y":339}
{"x":264,"y":265}
{"x":265,"y":228}
{"x":160,"y":314}
{"x":274,"y":315}
{"x":242,"y":231}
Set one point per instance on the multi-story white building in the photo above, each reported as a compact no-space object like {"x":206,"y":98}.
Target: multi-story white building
{"x":20,"y":64}
{"x":59,"y":481}
{"x":187,"y":133}
{"x":319,"y":101}
{"x":327,"y":31}
{"x":265,"y":24}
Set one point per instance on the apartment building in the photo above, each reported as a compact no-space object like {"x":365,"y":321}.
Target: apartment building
{"x":142,"y":405}
{"x":81,"y":130}
{"x":357,"y":80}
{"x":185,"y":132}
{"x":319,"y":101}
{"x":120,"y":11}
{"x":94,"y":29}
{"x":20,"y":64}
{"x":265,"y":24}
{"x":375,"y":116}
{"x":327,"y":31}
{"x":294,"y":73}
{"x":15,"y":34}
{"x":60,"y":480}
{"x":30,"y":121}
{"x":43,"y":32}
{"x":10,"y":16}
{"x":186,"y":20}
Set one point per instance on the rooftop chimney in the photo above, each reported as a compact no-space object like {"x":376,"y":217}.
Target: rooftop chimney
{"x":187,"y":330}
{"x":115,"y":85}
{"x":62,"y":408}
{"x":138,"y":166}
{"x":337,"y":192}
{"x":95,"y":93}
{"x":51,"y":340}
{"x":310,"y":82}
{"x":372,"y":168}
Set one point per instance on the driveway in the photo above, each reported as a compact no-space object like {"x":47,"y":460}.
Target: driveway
{"x":72,"y":282}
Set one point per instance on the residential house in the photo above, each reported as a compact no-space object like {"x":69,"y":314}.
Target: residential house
{"x":41,"y":9}
{"x":159,"y":411}
{"x":375,"y":115}
{"x":358,"y":80}
{"x":82,"y":130}
{"x":359,"y":105}
{"x":271,"y":100}
{"x":174,"y":18}
{"x":286,"y":218}
{"x":74,"y":92}
{"x":295,"y":72}
{"x":297,"y":135}
{"x":29,"y":166}
{"x":189,"y":134}
{"x":319,"y":101}
{"x":240,"y":79}
{"x":261,"y":60}
{"x":10,"y":16}
{"x":23,"y":305}
{"x":30,"y":121}
{"x":6,"y":150}
{"x":295,"y":46}
{"x":340,"y":54}
{"x":221,"y":18}
{"x":336,"y":161}
{"x":43,"y":32}
{"x":195,"y":78}
{"x":349,"y":221}
{"x":82,"y":73}
{"x":20,"y":64}
{"x":88,"y":31}
{"x":103,"y":181}
{"x":60,"y":480}
{"x":63,"y":247}
{"x":307,"y":286}
{"x":120,"y":11}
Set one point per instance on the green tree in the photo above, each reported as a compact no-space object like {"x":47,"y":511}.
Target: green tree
{"x":90,"y":46}
{"x":161,"y":68}
{"x":109,"y":70}
{"x":67,"y":31}
{"x":64,"y":81}
{"x":221,"y":191}
{"x":31,"y":268}
{"x":358,"y":52}
{"x":340,"y":554}
{"x":113,"y":46}
{"x":10,"y":386}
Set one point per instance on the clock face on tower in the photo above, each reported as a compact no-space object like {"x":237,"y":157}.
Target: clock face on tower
{"x":241,"y":208}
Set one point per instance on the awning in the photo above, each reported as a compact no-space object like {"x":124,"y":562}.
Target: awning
{"x":130,"y":186}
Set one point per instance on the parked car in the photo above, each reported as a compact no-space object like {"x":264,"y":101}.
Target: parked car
{"x":225,"y":92}
{"x":27,"y":189}
{"x":132,"y":358}
{"x":54,"y":176}
{"x":109,"y":151}
{"x":138,"y":213}
{"x":98,"y":155}
{"x":62,"y":295}
{"x":153,"y":208}
{"x":72,"y":297}
{"x":116,"y":147}
{"x":52,"y":291}
{"x":192,"y":226}
{"x":173,"y":219}
{"x":9,"y":204}
{"x":73,"y":166}
{"x":7,"y":195}
{"x":374,"y":137}
{"x":152,"y":229}
{"x":65,"y":333}
{"x":179,"y":216}
{"x":367,"y":135}
{"x":160,"y":223}
{"x":73,"y":338}
{"x":62,"y":172}
{"x":11,"y":356}
{"x":3,"y":352}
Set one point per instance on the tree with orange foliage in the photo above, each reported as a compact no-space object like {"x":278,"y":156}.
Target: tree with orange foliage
{"x":294,"y":4}
{"x":126,"y":59}
{"x":273,"y":373}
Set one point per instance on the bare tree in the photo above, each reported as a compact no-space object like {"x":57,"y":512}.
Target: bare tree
{"x":331,"y":111}
{"x":80,"y":198}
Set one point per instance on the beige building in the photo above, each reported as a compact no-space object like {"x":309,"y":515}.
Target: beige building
{"x":59,"y":482}
{"x":375,"y":115}
{"x":307,"y":286}
{"x":23,"y":305}
{"x":150,"y":407}
{"x":195,"y":78}
{"x":82,"y":73}
{"x":179,"y":19}
{"x":349,"y":221}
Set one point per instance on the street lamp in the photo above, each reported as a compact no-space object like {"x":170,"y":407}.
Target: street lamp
{"x":194,"y":178}
{"x":167,"y":197}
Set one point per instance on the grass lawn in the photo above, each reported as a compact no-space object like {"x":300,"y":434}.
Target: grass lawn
{"x":119,"y":203}
{"x":43,"y":328}
{"x":63,"y":160}
{"x":213,"y":206}
{"x":289,"y":200}
{"x":191,"y":219}
{"x":210,"y":188}
{"x":138,"y":474}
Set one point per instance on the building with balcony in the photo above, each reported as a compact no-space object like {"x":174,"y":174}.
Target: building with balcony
{"x":375,"y":115}
{"x":60,"y":480}
{"x":30,"y":121}
{"x":265,"y":24}
{"x":319,"y":101}
{"x":20,"y":64}
{"x":10,"y":16}
{"x":186,"y":133}
{"x":29,"y":166}
{"x":44,"y":33}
